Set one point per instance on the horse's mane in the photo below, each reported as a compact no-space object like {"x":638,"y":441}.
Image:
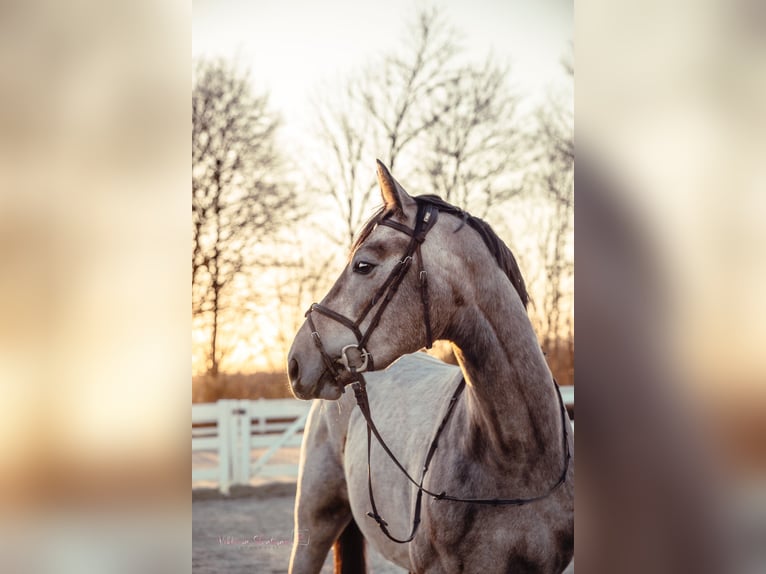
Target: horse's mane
{"x":499,"y":250}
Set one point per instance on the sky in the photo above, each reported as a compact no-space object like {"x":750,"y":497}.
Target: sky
{"x":293,"y":48}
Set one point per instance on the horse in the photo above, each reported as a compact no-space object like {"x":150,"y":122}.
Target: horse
{"x":471,"y":468}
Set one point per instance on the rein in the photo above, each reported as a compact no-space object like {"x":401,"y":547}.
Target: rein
{"x":426,"y":218}
{"x":360,"y":391}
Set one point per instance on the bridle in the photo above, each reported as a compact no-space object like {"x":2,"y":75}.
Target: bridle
{"x":427,"y":215}
{"x":425,"y":220}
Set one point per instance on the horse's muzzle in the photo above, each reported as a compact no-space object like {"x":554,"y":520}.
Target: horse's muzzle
{"x":325,"y":386}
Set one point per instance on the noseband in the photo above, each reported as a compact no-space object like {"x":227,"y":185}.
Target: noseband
{"x":425,"y":220}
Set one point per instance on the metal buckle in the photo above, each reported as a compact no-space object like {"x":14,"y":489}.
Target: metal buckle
{"x":344,"y":360}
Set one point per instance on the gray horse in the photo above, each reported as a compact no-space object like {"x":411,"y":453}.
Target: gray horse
{"x":499,"y":486}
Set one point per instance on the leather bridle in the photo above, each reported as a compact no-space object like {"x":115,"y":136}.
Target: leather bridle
{"x":427,"y":215}
{"x":425,"y":220}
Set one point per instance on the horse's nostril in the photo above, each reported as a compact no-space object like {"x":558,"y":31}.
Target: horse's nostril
{"x":293,"y":370}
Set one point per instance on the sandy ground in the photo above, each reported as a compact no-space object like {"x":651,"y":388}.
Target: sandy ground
{"x":251,"y":532}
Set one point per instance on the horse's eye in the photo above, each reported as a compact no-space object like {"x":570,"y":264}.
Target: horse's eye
{"x":363,"y":267}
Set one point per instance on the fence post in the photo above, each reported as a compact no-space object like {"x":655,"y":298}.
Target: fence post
{"x":244,"y":441}
{"x":258,"y":411}
{"x":239,"y":440}
{"x":224,"y":451}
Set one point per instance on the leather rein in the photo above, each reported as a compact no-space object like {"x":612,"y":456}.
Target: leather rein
{"x":426,"y":218}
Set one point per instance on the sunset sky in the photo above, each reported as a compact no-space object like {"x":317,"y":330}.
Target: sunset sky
{"x":296,"y":50}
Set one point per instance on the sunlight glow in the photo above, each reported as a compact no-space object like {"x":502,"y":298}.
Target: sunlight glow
{"x":295,"y":59}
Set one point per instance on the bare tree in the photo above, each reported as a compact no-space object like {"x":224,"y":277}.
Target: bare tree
{"x":401,"y":93}
{"x":385,"y":110}
{"x":292,"y":289}
{"x":343,"y":176}
{"x":239,"y":198}
{"x":459,"y":120}
{"x":473,"y":151}
{"x":452,"y":127}
{"x":554,"y":177}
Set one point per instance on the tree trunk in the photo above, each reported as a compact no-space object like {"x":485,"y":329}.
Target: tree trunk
{"x":213,"y":361}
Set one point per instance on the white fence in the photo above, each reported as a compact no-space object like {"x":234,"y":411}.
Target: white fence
{"x":232,"y":429}
{"x":567,"y":395}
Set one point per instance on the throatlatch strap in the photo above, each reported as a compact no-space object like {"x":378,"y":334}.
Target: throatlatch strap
{"x":423,"y":276}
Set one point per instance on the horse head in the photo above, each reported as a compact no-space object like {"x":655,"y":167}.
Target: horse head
{"x":385,"y":302}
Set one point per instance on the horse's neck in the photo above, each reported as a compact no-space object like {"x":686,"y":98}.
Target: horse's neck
{"x":511,"y":410}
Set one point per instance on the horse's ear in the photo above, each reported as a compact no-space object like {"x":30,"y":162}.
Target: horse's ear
{"x":394,"y":196}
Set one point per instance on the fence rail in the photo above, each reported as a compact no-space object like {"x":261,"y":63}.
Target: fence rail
{"x":233,"y":429}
